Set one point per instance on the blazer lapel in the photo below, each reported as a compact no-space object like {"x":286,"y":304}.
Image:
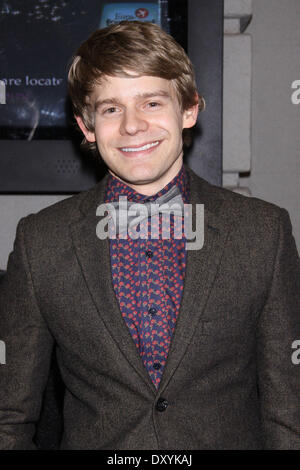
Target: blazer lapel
{"x":94,"y":258}
{"x":201,"y":268}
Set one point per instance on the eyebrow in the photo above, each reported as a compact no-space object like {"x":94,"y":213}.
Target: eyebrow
{"x":152,"y":94}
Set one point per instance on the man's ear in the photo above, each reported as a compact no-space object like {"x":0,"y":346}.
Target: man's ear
{"x":190,"y":116}
{"x":89,"y":135}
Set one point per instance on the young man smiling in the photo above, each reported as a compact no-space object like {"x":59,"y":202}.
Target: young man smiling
{"x":158,"y":347}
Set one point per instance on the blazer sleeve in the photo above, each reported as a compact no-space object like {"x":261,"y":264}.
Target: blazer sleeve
{"x":278,"y":328}
{"x":28,"y":345}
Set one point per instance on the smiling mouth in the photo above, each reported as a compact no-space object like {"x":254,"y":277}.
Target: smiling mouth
{"x":142,"y":148}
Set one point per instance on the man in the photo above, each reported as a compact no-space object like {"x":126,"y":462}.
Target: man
{"x":159,"y":347}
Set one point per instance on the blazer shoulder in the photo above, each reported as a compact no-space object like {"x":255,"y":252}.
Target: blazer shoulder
{"x":63,"y":212}
{"x":232,"y":202}
{"x":49,"y":229}
{"x":251,"y":217}
{"x":250,"y":204}
{"x":251,"y":210}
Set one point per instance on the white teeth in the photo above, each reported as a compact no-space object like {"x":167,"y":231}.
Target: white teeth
{"x":145,"y":147}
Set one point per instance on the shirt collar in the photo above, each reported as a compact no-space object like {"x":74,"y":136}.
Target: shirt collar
{"x":116,"y":188}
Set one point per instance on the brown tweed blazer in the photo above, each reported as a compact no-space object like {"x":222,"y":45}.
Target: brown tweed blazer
{"x":229,"y":381}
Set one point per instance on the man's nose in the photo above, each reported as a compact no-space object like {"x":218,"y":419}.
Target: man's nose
{"x":133,"y":121}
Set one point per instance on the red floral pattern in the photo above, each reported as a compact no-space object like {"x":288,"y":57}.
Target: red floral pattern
{"x":148,"y":276}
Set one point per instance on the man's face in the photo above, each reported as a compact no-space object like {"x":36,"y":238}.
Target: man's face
{"x":138,"y":130}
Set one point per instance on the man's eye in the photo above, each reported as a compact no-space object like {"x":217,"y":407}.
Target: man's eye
{"x":110,"y":110}
{"x":153,"y":104}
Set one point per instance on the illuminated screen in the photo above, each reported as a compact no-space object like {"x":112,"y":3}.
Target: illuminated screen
{"x":37,"y":41}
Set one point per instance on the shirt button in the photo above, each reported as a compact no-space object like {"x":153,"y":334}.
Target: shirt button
{"x":162,"y":404}
{"x":152,"y":311}
{"x":156,"y":365}
{"x":149,"y":253}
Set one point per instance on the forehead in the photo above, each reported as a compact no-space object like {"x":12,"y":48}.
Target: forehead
{"x":123,"y":89}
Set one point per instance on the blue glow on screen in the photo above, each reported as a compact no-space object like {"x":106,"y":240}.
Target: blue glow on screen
{"x":113,"y":13}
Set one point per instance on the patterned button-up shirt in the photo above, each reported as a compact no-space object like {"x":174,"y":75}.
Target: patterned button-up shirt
{"x":148,"y":276}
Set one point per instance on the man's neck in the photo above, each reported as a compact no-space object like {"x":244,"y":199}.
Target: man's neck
{"x":154,"y":187}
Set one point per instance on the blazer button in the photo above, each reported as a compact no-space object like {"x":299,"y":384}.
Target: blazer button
{"x":152,"y":311}
{"x":162,"y":404}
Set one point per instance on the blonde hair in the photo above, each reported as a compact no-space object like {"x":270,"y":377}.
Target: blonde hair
{"x":143,"y":48}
